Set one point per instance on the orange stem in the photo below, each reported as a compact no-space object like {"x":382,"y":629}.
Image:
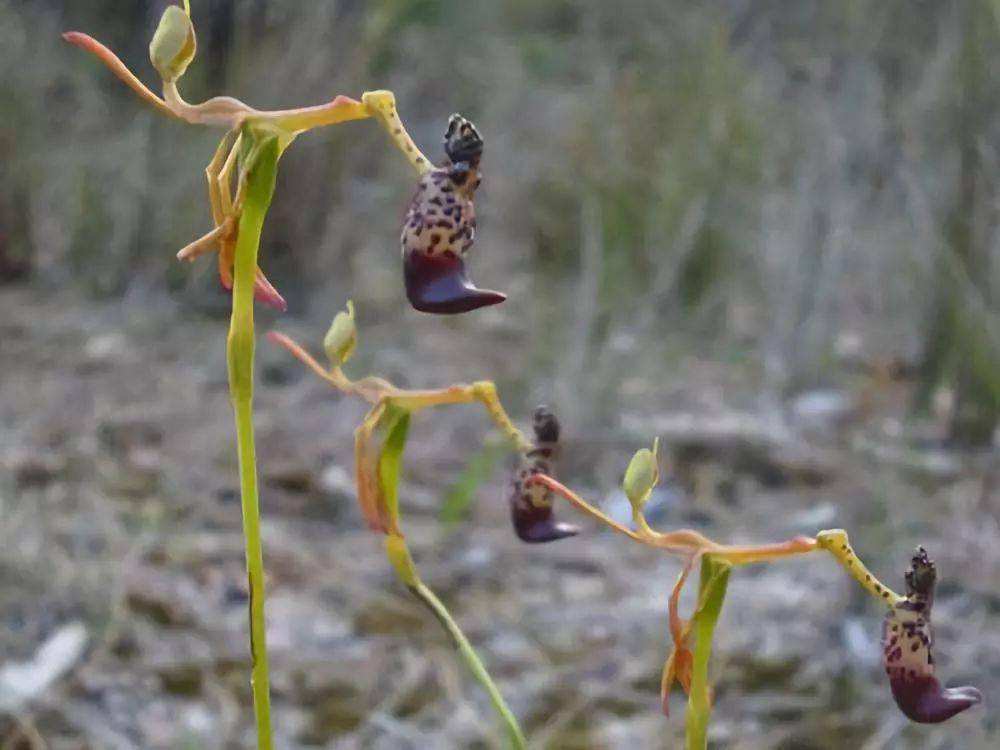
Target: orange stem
{"x":684,"y":541}
{"x":106,"y":56}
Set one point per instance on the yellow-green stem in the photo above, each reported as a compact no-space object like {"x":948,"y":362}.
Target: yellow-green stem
{"x":428,"y":597}
{"x":835,"y":542}
{"x":240,"y":357}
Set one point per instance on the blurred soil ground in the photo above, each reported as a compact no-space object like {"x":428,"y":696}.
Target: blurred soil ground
{"x":120,"y":513}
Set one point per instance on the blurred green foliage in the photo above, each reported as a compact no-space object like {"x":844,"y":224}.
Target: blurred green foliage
{"x":477,"y":471}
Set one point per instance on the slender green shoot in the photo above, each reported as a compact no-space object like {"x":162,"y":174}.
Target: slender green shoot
{"x":395,"y":422}
{"x":514,"y":734}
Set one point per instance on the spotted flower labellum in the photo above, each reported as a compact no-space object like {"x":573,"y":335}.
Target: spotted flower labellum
{"x":907,"y":640}
{"x":531,"y":504}
{"x":440,"y":229}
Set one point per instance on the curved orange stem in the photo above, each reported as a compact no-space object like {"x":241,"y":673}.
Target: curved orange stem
{"x":110,"y":59}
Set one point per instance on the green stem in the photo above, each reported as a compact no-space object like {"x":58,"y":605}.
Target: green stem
{"x":514,"y":733}
{"x":711,"y":594}
{"x":240,"y":357}
{"x":395,"y":421}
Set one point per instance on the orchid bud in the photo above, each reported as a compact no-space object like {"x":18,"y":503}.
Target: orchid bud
{"x":642,"y":475}
{"x":440,"y":228}
{"x":174,"y":44}
{"x":531,"y":503}
{"x":907,"y":639}
{"x":342,"y":338}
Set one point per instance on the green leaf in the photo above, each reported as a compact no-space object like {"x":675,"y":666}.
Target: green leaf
{"x":461,"y":494}
{"x":711,"y":594}
{"x":396,"y":424}
{"x":174,"y":44}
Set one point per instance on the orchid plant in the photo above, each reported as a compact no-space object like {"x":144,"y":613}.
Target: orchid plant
{"x":241,"y":178}
{"x":437,"y":234}
{"x":380,"y":441}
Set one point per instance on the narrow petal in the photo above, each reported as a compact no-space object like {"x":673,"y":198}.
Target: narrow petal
{"x":365,"y":470}
{"x":667,"y":681}
{"x":207,"y":243}
{"x":341,"y":109}
{"x":226,"y":250}
{"x":106,"y":56}
{"x":681,"y":660}
{"x":264,"y":292}
{"x":678,"y":667}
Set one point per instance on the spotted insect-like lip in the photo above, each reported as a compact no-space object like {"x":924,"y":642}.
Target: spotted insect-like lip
{"x":907,"y":640}
{"x":440,"y":284}
{"x":534,"y":522}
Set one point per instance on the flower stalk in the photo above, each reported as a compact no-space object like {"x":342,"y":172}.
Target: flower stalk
{"x":260,"y":177}
{"x":249,"y":151}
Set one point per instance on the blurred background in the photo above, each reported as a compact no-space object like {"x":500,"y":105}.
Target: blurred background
{"x":764,"y":231}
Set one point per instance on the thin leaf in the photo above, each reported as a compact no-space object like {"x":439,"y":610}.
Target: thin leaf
{"x":461,"y":494}
{"x":711,"y":594}
{"x":396,"y":423}
{"x":116,"y":66}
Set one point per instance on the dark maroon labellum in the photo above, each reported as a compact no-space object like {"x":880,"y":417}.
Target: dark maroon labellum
{"x":924,"y":701}
{"x":531,"y":505}
{"x":536,"y":526}
{"x":440,"y":229}
{"x":439,"y":284}
{"x":907,"y":640}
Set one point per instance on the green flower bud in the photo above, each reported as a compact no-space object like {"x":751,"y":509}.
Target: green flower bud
{"x":642,"y":475}
{"x":342,"y":338}
{"x":174,"y":45}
